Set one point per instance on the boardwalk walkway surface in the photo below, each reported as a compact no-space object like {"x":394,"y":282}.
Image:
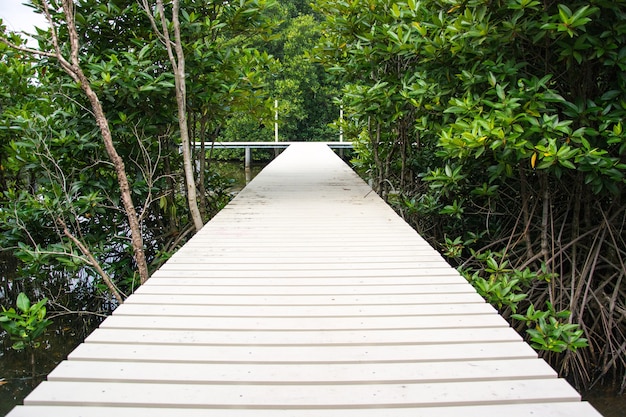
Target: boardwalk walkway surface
{"x":306,"y":296}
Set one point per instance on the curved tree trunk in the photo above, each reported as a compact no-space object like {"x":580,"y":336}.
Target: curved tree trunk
{"x":122,"y":179}
{"x":103,"y":124}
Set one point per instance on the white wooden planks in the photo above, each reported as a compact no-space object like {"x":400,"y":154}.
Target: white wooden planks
{"x":296,"y":396}
{"x":302,"y":323}
{"x":307,"y":373}
{"x":556,"y":409}
{"x":299,"y":355}
{"x":306,"y":296}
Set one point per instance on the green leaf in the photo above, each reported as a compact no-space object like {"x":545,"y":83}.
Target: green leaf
{"x":500,"y":92}
{"x":20,"y":345}
{"x":617,"y":129}
{"x":395,"y":10}
{"x":23,"y":303}
{"x":610,"y":95}
{"x":564,"y":12}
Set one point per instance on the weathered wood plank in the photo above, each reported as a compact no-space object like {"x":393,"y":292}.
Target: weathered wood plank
{"x":319,"y":244}
{"x":319,"y":354}
{"x":432,"y":269}
{"x":176,"y":310}
{"x":250,"y":254}
{"x":243,"y":290}
{"x":336,"y":299}
{"x":304,"y":337}
{"x":306,"y":257}
{"x":266,"y":272}
{"x":309,"y":374}
{"x":553,"y":409}
{"x":352,"y":267}
{"x":170,"y":279}
{"x":294,"y":396}
{"x":119,"y":321}
{"x":401,"y":353}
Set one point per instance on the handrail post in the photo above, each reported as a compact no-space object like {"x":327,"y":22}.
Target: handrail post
{"x":341,"y":123}
{"x":247,"y":163}
{"x":275,"y":120}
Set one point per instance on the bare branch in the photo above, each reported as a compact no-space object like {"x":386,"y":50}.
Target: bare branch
{"x":148,"y":169}
{"x":144,"y":4}
{"x":166,"y":36}
{"x":68,"y":312}
{"x":69,"y":69}
{"x":25,"y":49}
{"x":93,"y":262}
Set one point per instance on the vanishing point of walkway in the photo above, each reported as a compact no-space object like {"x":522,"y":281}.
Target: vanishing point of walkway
{"x":306,"y":296}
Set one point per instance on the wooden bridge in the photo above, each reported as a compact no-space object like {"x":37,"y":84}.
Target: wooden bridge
{"x":249,"y":146}
{"x":307,"y":296}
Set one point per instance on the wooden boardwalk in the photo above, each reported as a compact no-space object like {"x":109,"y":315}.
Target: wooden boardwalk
{"x":306,"y":296}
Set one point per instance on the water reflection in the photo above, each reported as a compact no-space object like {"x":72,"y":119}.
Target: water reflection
{"x":22,"y":371}
{"x":607,"y":402}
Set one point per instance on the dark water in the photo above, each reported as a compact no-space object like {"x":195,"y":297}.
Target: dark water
{"x":607,"y":402}
{"x":21,"y":372}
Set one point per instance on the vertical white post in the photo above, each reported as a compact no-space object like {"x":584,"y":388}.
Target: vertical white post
{"x":276,"y":120}
{"x":247,"y":158}
{"x":247,"y":164}
{"x":341,"y":123}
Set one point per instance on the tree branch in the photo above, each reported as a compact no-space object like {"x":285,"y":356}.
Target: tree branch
{"x":92,"y":261}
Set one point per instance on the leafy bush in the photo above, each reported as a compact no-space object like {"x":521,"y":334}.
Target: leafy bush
{"x":502,"y":120}
{"x":25,"y":324}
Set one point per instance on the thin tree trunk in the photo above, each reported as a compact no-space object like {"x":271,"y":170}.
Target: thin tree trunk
{"x":171,"y":185}
{"x":178,"y":67}
{"x":375,"y":137}
{"x":202,"y":167}
{"x":545,"y":214}
{"x":403,"y":152}
{"x":526,"y":213}
{"x":120,"y":170}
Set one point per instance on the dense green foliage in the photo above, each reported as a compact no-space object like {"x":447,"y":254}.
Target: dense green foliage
{"x":304,"y":92}
{"x":496,"y":128}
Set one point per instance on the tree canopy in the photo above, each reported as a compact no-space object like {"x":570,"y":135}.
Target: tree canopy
{"x":496,"y":128}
